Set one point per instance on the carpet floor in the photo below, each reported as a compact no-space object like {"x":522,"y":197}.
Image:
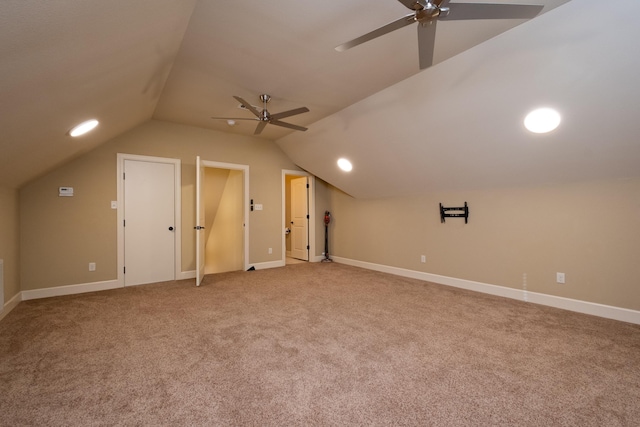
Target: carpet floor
{"x":312,"y":344}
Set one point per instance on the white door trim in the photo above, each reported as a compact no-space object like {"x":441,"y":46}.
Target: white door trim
{"x":245,"y":196}
{"x":312,"y":212}
{"x":120,"y":211}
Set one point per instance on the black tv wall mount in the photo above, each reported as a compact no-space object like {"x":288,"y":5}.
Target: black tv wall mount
{"x":461,"y":212}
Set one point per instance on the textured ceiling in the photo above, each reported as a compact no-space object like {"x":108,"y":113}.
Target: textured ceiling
{"x":454,"y":125}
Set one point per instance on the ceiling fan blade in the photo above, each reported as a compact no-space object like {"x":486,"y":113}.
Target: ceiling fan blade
{"x":464,"y":11}
{"x":260,"y":127}
{"x":413,"y":4}
{"x":289,"y":113}
{"x":235,"y":118}
{"x":287,"y":125}
{"x":397,"y":24}
{"x":247,"y":106}
{"x":426,"y":43}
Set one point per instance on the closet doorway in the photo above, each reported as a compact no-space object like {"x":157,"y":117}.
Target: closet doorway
{"x":298,"y":217}
{"x":223,"y":200}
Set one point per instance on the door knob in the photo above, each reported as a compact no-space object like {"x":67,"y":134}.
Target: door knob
{"x":170,"y":228}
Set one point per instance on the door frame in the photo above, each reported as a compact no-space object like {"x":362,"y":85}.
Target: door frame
{"x":245,"y":197}
{"x":120,"y":210}
{"x":311,"y":195}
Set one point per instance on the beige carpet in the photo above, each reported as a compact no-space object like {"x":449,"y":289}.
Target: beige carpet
{"x":312,"y":344}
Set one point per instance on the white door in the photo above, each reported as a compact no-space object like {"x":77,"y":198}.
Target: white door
{"x":149,"y":222}
{"x":200,"y":217}
{"x":299,"y":218}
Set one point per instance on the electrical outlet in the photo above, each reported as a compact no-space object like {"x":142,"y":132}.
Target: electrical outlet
{"x":270,"y":250}
{"x":559,"y":277}
{"x":92,"y":266}
{"x":423,"y":258}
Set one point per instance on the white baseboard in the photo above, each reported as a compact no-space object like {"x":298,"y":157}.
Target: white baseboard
{"x":10,"y":305}
{"x":600,"y":310}
{"x":70,"y":289}
{"x":270,"y":264}
{"x":183,"y":275}
{"x":97,"y":286}
{"x":585,"y":307}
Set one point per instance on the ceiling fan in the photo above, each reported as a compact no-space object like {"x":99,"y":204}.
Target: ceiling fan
{"x":264,"y":117}
{"x":428,"y":12}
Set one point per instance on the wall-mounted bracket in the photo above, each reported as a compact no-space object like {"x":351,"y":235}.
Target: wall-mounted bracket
{"x":462,"y":212}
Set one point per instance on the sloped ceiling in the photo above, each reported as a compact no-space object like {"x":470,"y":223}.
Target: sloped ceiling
{"x":456,"y":124}
{"x":459,"y":125}
{"x":62,"y":62}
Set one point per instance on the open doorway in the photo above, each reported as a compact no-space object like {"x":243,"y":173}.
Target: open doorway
{"x":298,"y":217}
{"x":223,"y":211}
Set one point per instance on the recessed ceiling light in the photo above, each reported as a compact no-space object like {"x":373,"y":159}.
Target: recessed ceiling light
{"x":84,"y":127}
{"x":345,"y":165}
{"x":542,"y":120}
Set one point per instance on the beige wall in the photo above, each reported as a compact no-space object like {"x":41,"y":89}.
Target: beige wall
{"x":60,"y":236}
{"x":9,"y":242}
{"x":589,"y":231}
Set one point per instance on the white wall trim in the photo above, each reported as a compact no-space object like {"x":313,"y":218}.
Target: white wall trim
{"x":585,"y":307}
{"x":183,"y":275}
{"x":269,"y":264}
{"x":70,"y":289}
{"x":10,"y":305}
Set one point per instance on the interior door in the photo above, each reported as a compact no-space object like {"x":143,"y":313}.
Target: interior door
{"x":200,"y":222}
{"x":149,"y":222}
{"x":300,"y":218}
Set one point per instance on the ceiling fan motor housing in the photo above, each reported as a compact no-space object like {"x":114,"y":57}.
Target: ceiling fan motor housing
{"x":431,"y":12}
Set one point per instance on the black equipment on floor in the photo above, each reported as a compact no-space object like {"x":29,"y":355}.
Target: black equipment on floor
{"x":327,"y":220}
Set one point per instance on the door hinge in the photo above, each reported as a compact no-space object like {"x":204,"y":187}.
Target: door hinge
{"x":307,"y":185}
{"x":124,"y":270}
{"x":307,"y":216}
{"x":124,"y":222}
{"x":307,"y":247}
{"x":123,"y":175}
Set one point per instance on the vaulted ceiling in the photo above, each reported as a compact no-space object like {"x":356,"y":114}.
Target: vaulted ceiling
{"x":455,"y":125}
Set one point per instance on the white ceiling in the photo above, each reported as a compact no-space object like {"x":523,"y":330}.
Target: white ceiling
{"x":455,"y":125}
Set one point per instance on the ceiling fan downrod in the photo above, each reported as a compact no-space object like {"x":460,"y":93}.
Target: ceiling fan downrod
{"x":264,"y":115}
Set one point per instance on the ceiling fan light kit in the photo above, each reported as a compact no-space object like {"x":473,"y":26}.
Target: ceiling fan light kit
{"x":264,"y":117}
{"x":428,"y":12}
